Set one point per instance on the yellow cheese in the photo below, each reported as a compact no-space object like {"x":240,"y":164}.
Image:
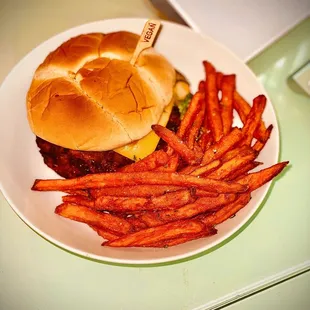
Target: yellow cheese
{"x":147,"y":145}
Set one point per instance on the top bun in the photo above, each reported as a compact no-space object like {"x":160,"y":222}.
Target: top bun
{"x":87,"y":96}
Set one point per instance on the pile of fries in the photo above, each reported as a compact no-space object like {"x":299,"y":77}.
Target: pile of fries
{"x":171,"y":197}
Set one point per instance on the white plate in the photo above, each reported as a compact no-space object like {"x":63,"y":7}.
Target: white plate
{"x":21,"y":162}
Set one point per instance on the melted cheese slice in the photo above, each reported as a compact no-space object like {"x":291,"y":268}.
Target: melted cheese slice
{"x":147,"y":145}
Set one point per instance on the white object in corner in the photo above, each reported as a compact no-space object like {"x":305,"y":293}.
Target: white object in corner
{"x":245,"y":26}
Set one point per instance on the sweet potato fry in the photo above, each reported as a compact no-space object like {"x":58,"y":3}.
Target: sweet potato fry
{"x":219,"y":78}
{"x":206,"y":169}
{"x":194,"y":130}
{"x":227,"y":88}
{"x":220,"y":148}
{"x":156,"y":234}
{"x":209,"y":231}
{"x":237,"y":151}
{"x":243,"y":109}
{"x":176,"y":143}
{"x":231,"y":166}
{"x":126,"y":204}
{"x":226,"y":212}
{"x":190,"y":114}
{"x":257,"y":179}
{"x":242,"y":171}
{"x":80,"y":192}
{"x":79,"y":200}
{"x":205,"y":140}
{"x":155,"y":159}
{"x":209,"y":68}
{"x":171,"y":166}
{"x":253,"y":119}
{"x":121,"y":204}
{"x":201,"y":87}
{"x":188,"y":169}
{"x":134,"y":191}
{"x":197,"y":170}
{"x":172,"y":200}
{"x":258,"y":146}
{"x":201,"y":193}
{"x":211,"y":203}
{"x":94,"y":218}
{"x":136,"y":223}
{"x":173,"y":163}
{"x":241,"y":106}
{"x":212,"y":103}
{"x":198,"y":151}
{"x":105,"y":234}
{"x":138,"y":178}
{"x":150,"y":219}
{"x":201,"y":205}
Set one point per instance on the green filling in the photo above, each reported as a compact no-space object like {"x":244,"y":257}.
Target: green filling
{"x":183,"y":104}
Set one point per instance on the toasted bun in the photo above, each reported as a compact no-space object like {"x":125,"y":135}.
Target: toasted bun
{"x":87,"y":96}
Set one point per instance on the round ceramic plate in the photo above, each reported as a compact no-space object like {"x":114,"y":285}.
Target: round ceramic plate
{"x":21,"y":162}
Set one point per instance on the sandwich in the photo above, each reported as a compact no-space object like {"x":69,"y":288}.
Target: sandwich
{"x":92,"y":111}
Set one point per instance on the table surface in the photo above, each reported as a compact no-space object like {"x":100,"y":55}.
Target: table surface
{"x":292,"y":294}
{"x":34,"y":274}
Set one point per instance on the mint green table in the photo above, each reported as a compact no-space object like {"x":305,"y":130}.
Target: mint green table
{"x":292,"y":294}
{"x":35,"y":274}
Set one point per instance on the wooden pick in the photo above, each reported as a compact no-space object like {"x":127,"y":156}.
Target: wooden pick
{"x":147,"y":38}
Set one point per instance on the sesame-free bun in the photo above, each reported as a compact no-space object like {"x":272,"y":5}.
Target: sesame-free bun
{"x":87,"y":96}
